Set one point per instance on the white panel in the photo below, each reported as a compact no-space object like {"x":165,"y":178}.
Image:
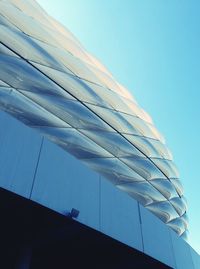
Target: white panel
{"x":63,"y":183}
{"x":182,"y":253}
{"x":156,"y":238}
{"x":119,"y":215}
{"x":47,"y":52}
{"x":19,"y":152}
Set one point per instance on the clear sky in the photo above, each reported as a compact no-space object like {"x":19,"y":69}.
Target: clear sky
{"x":153,"y":48}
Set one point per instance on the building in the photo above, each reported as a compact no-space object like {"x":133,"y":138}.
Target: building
{"x":76,"y":142}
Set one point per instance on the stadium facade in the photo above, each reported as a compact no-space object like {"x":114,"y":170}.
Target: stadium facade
{"x":75,"y":141}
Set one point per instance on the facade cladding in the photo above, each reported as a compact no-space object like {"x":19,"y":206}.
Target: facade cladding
{"x":50,"y":83}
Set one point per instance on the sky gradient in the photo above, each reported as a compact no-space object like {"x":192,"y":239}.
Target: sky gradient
{"x":153,"y":49}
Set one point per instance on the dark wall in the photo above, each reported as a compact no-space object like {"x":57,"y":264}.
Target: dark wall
{"x":32,"y":234}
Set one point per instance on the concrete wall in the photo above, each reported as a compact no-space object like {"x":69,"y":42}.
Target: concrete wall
{"x":37,"y":169}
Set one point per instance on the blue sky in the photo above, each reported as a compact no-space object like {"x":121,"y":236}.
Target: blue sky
{"x":153,"y":48}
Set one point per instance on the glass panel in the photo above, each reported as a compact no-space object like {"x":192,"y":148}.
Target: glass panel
{"x":177,"y":225}
{"x":124,"y":92}
{"x":59,"y":35}
{"x":25,"y":23}
{"x":34,"y":27}
{"x":114,"y":170}
{"x":5,"y":22}
{"x":185,"y":202}
{"x":143,"y":192}
{"x":72,"y":63}
{"x":161,"y":149}
{"x":53,"y":24}
{"x":69,"y":63}
{"x":165,"y":187}
{"x":46,"y":95}
{"x":72,"y":84}
{"x":72,"y":112}
{"x":112,"y":99}
{"x":93,"y":62}
{"x":178,"y":185}
{"x":6,"y":51}
{"x":185,"y":220}
{"x":29,"y":48}
{"x":114,"y":143}
{"x":163,"y":210}
{"x":150,"y":147}
{"x":155,"y":133}
{"x":143,"y":167}
{"x":25,"y":110}
{"x":142,"y":144}
{"x":19,"y":74}
{"x":136,"y":110}
{"x":65,"y":40}
{"x":32,"y":9}
{"x":75,"y":143}
{"x":185,"y":236}
{"x":179,"y":205}
{"x":3,"y":84}
{"x":140,"y":125}
{"x":167,"y":167}
{"x":106,"y":80}
{"x":115,"y":119}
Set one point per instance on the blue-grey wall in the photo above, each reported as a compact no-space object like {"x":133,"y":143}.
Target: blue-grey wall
{"x":34,"y":167}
